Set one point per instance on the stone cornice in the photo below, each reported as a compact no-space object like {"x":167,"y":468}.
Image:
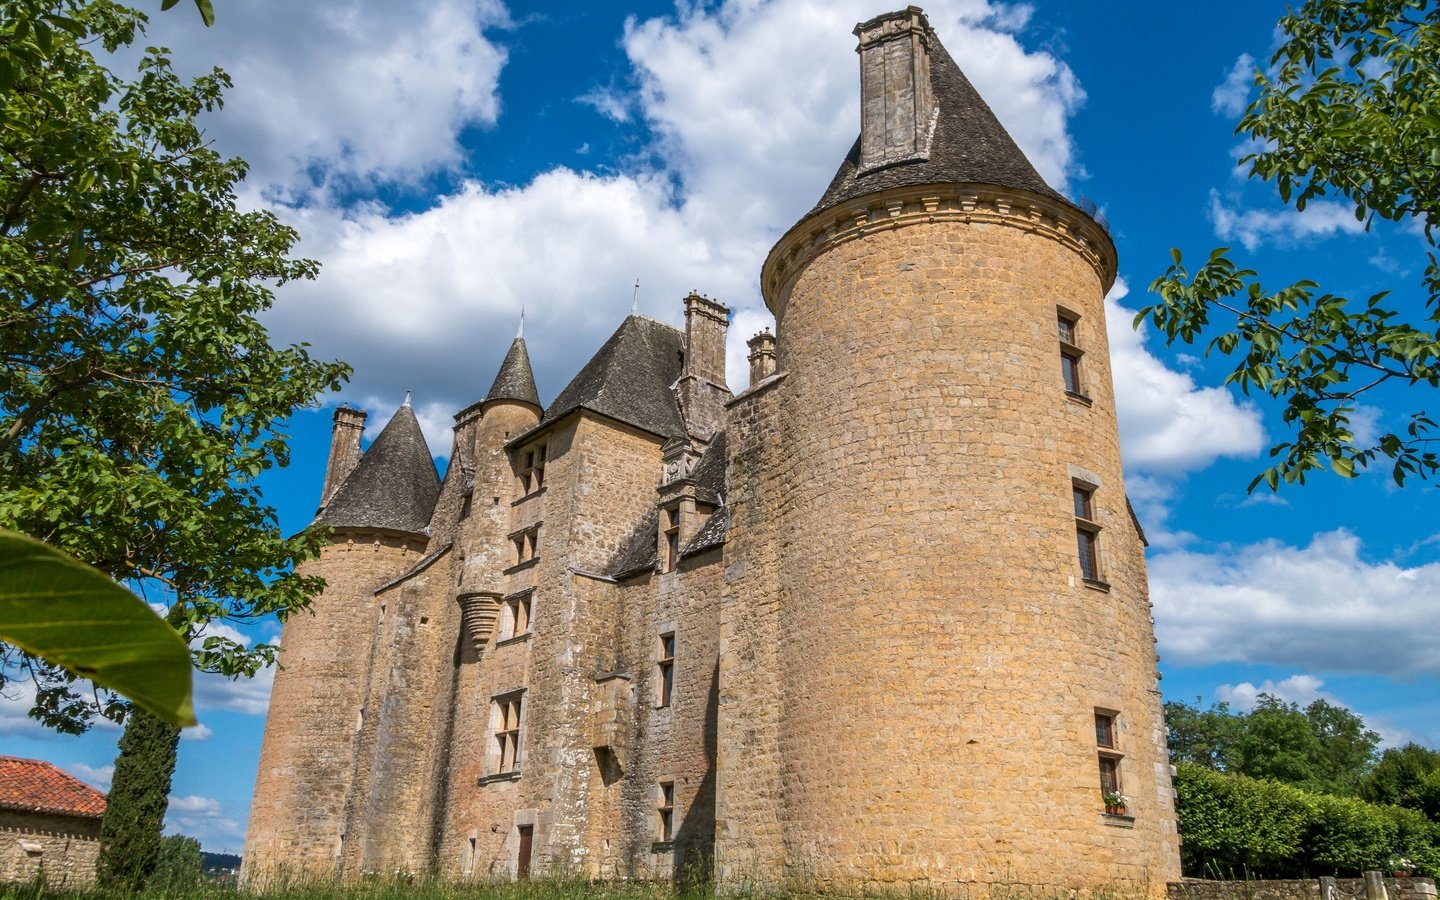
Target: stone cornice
{"x":899,"y":207}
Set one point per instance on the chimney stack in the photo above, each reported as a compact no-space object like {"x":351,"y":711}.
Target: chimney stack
{"x":701,"y":387}
{"x":762,"y":356}
{"x":344,"y":450}
{"x":897,"y":106}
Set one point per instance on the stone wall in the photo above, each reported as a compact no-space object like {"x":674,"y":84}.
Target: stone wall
{"x":940,"y":658}
{"x":60,"y":849}
{"x":1375,"y":887}
{"x":307,"y":759}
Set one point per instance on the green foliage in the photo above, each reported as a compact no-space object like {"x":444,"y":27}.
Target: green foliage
{"x":1349,"y":109}
{"x":1324,"y":748}
{"x":1236,"y":826}
{"x":1407,"y":776}
{"x":135,"y":809}
{"x":179,"y":864}
{"x":70,"y":614}
{"x":140,"y":397}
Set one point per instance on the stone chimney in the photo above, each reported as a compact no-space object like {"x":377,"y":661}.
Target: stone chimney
{"x":344,"y":450}
{"x":762,"y":356}
{"x":706,"y":322}
{"x":702,"y":389}
{"x":897,"y":106}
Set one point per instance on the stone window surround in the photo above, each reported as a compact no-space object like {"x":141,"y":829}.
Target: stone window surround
{"x":514,"y":609}
{"x":666,"y":813}
{"x":665,"y":647}
{"x":1071,"y":354}
{"x":495,"y":759}
{"x":1088,"y":483}
{"x":530,"y":467}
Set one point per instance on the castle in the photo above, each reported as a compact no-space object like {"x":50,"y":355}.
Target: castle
{"x":881,"y":618}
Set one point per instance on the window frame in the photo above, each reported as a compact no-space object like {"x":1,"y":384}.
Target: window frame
{"x":1109,"y":757}
{"x":1072,"y":371}
{"x":1087,"y":533}
{"x":665,"y":670}
{"x":508,"y":735}
{"x":665,"y":811}
{"x":531,"y":467}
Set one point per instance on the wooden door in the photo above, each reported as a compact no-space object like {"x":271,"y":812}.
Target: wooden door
{"x":522,"y":860}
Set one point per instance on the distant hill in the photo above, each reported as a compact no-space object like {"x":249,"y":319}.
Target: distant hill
{"x":220,"y":862}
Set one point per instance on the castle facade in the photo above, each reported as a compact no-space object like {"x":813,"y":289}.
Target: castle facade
{"x":881,"y":618}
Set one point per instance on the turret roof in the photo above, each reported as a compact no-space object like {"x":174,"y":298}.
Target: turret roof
{"x":395,"y":484}
{"x":629,"y":379}
{"x":970,"y":146}
{"x":515,"y":380}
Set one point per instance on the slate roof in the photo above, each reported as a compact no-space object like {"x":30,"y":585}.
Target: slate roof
{"x":395,"y":484}
{"x":709,"y":472}
{"x":32,"y":785}
{"x":711,"y":534}
{"x":629,"y":379}
{"x":970,"y":145}
{"x":515,"y":380}
{"x":640,"y":553}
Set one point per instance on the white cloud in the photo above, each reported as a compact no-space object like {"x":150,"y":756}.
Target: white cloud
{"x":1321,"y":605}
{"x":1151,"y":498}
{"x":207,"y":820}
{"x":244,"y":695}
{"x":95,"y":776}
{"x":198,"y":732}
{"x":1254,"y":227}
{"x":1300,"y":689}
{"x":751,"y":107}
{"x":1168,"y":424}
{"x":353,"y":89}
{"x":1232,"y":96}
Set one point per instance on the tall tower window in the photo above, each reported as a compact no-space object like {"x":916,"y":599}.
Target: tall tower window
{"x":671,"y":520}
{"x":1087,"y":533}
{"x":665,"y":670}
{"x":665,"y":807}
{"x":505,"y":716}
{"x":1110,"y":757}
{"x":532,"y":469}
{"x":1070,"y":353}
{"x":516,"y":616}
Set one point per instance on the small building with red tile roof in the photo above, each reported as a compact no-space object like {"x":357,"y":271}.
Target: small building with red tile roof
{"x":49,"y":824}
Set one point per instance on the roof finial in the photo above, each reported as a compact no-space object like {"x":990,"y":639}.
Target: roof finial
{"x":520,"y":332}
{"x":407,"y":400}
{"x":635,"y":302}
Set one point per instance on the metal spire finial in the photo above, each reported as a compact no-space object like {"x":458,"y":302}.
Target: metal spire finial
{"x":407,"y":400}
{"x":635,"y":302}
{"x":520,"y":332}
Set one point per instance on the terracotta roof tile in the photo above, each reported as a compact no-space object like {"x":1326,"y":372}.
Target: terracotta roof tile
{"x":32,"y":785}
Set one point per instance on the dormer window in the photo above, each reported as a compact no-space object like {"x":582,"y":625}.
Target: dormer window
{"x":670,"y":534}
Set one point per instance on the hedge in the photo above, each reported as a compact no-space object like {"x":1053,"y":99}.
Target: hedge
{"x":1232,"y":826}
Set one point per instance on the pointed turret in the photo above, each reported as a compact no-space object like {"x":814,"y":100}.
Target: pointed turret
{"x":629,"y":379}
{"x":515,"y":380}
{"x":394,"y":486}
{"x":922,"y":121}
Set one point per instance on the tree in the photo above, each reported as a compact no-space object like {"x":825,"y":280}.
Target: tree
{"x":1406,"y":776}
{"x":1346,"y":749}
{"x":1203,"y":737}
{"x":1351,"y":109}
{"x":140,"y":398}
{"x":181,"y":863}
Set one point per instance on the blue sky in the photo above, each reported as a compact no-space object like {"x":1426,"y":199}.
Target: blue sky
{"x":451,"y":162}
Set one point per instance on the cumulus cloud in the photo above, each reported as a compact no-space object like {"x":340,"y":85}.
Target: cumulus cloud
{"x":95,"y":776}
{"x":1254,"y":227}
{"x":205,"y":819}
{"x":748,"y":108}
{"x":250,"y":696}
{"x":1168,"y":423}
{"x":1232,"y":95}
{"x":1301,"y":689}
{"x":355,"y":89}
{"x":1322,"y":605}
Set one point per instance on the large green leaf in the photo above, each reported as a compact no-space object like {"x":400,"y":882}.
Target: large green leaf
{"x":58,"y":608}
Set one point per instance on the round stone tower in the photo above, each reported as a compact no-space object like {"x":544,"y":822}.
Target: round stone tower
{"x":968,"y":661}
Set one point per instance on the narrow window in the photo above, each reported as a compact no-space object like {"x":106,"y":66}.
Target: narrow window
{"x":1070,"y":354}
{"x":539,"y":467}
{"x":532,"y":470}
{"x":466,"y":504}
{"x":507,"y":733}
{"x":1107,"y":748}
{"x":672,"y":539}
{"x":666,"y":683}
{"x":665,"y":830}
{"x":1087,"y":533}
{"x":519,"y":549}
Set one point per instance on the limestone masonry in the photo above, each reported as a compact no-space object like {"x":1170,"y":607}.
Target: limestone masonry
{"x":880,"y":619}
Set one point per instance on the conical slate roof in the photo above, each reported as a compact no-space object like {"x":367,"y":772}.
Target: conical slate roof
{"x":515,"y":381}
{"x":970,"y":145}
{"x":395,"y":484}
{"x":630,"y":378}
